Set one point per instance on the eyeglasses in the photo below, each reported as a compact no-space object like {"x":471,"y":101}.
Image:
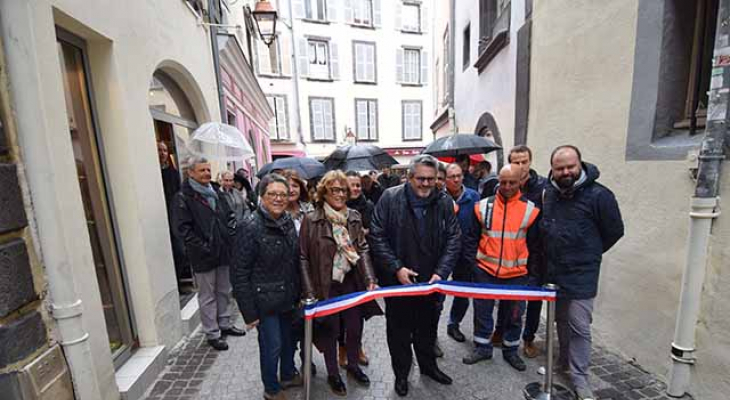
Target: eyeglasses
{"x":424,"y":179}
{"x":337,"y":190}
{"x":275,"y":196}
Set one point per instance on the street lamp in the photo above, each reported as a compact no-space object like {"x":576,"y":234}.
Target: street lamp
{"x":265,"y":16}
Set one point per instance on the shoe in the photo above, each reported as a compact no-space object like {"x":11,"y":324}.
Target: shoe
{"x":497,"y":338}
{"x":359,"y":376}
{"x":530,"y":350}
{"x":342,"y":356}
{"x":401,"y":386}
{"x":584,"y":393}
{"x":218,"y":344}
{"x":437,"y":352}
{"x":295,"y":381}
{"x":362,"y":359}
{"x":515,"y":361}
{"x":455,"y":333}
{"x":438,"y":375}
{"x":276,"y":396}
{"x":233,"y":331}
{"x":476,"y":356}
{"x":338,"y":387}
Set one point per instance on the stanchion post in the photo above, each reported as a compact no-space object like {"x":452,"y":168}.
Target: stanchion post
{"x":550,"y":332}
{"x":308,"y":337}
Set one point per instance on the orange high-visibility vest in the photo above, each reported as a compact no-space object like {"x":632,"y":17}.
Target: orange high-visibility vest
{"x":503,"y":249}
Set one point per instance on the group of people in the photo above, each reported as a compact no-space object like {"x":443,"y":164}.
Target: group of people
{"x":350,"y":233}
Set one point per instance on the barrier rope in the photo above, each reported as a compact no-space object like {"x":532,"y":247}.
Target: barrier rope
{"x":452,"y":288}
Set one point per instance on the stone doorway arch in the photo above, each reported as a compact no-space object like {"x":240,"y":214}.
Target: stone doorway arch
{"x":487,"y":127}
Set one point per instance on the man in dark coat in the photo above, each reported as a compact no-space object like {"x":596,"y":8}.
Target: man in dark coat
{"x":581,"y":221}
{"x":170,"y":186}
{"x":205,"y":224}
{"x":387,"y":179}
{"x":371,"y":188}
{"x":415,"y":238}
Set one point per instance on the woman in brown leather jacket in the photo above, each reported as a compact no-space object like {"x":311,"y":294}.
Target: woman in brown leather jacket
{"x":335,"y":260}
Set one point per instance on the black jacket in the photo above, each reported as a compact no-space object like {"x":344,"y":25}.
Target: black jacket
{"x":365,"y":207}
{"x":392,"y":215}
{"x":374,"y":193}
{"x":576,"y":229}
{"x":532,"y":191}
{"x":387,"y":182}
{"x":265,"y":272}
{"x":205,"y":233}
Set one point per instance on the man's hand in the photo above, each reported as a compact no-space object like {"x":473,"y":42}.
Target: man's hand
{"x":404,"y":276}
{"x":372,"y":286}
{"x":252,"y":325}
{"x":434,"y":278}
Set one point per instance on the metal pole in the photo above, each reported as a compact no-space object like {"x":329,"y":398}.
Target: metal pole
{"x":308,"y":336}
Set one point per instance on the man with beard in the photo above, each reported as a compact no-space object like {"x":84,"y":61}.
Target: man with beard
{"x":387,"y":179}
{"x":581,"y":221}
{"x":415,"y":238}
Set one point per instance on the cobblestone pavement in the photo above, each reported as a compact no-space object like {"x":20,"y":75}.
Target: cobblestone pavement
{"x":196,"y":372}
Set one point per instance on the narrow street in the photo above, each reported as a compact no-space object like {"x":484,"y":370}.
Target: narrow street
{"x":196,"y":372}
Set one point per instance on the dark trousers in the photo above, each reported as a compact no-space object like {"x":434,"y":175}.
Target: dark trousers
{"x":276,"y":350}
{"x":351,"y":320}
{"x":411,"y":321}
{"x":460,"y":304}
{"x":484,"y":320}
{"x":532,"y":320}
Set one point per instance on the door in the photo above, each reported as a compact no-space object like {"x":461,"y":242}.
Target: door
{"x":89,"y":170}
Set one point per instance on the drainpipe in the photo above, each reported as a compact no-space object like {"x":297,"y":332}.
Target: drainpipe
{"x":66,"y":308}
{"x":295,"y":72}
{"x":452,"y":68}
{"x":704,"y":209}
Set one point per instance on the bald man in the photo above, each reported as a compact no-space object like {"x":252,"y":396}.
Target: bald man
{"x":507,"y":239}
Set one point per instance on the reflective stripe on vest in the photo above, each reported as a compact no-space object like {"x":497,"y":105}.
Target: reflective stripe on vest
{"x":505,"y":263}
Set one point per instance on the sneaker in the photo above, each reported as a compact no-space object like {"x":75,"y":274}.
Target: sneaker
{"x":275,"y":396}
{"x":437,"y":350}
{"x":530,"y":350}
{"x":454,"y":332}
{"x":476,"y":356}
{"x":584,"y":393}
{"x":515,"y":361}
{"x":342,"y":356}
{"x":362,"y":359}
{"x":295,"y":381}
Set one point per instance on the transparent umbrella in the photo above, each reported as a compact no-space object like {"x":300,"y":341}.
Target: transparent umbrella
{"x":221,"y":142}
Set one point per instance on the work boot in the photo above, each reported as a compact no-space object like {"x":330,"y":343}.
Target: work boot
{"x":275,"y":396}
{"x":362,"y":359}
{"x":437,"y":352}
{"x":342,"y":356}
{"x":515,"y":361}
{"x":455,"y":333}
{"x":497,"y":338}
{"x":476,"y":356}
{"x":530,"y":350}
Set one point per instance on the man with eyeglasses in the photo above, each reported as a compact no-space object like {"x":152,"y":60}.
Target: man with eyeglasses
{"x":465,"y":199}
{"x":415,"y":238}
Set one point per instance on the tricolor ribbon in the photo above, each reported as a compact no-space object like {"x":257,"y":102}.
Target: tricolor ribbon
{"x":451,"y":288}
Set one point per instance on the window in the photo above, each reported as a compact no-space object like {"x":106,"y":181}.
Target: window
{"x":279,"y":125}
{"x":494,"y":16}
{"x":318,"y":52}
{"x":465,"y":47}
{"x":316,"y":9}
{"x":411,"y":17}
{"x":364,"y":62}
{"x":321,"y":119}
{"x":366,"y":121}
{"x":269,"y":58}
{"x":362,"y":12}
{"x":412,"y":121}
{"x":412,"y":66}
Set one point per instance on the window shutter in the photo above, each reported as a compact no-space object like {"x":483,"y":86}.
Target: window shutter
{"x":373,"y":131}
{"x":424,"y":67}
{"x":377,"y":17}
{"x":264,"y":61}
{"x":329,"y":133}
{"x":303,"y":56}
{"x":333,"y":14}
{"x":370,"y":62}
{"x":272,"y":121}
{"x":425,"y":22}
{"x":298,"y":6}
{"x":361,"y":115}
{"x":358,"y":62}
{"x":399,"y":65}
{"x":398,"y":15}
{"x":349,"y":17}
{"x":282,"y":118}
{"x":334,"y":61}
{"x":284,"y":53}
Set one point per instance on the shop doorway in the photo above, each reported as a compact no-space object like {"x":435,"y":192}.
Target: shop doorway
{"x":88,"y":157}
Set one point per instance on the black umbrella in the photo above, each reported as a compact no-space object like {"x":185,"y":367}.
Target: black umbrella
{"x":306,"y":167}
{"x":460,"y":144}
{"x":362,"y":157}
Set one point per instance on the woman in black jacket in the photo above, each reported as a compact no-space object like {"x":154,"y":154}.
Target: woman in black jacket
{"x":267,"y":285}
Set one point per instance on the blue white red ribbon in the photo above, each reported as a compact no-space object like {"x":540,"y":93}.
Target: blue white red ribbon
{"x":451,"y":288}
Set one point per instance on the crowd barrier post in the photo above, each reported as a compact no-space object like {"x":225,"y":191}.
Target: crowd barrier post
{"x":308,"y":337}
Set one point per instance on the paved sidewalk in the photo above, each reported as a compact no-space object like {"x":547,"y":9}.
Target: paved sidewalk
{"x":196,"y":372}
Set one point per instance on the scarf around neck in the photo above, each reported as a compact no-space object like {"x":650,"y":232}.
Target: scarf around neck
{"x":206,"y":191}
{"x":346,"y":255}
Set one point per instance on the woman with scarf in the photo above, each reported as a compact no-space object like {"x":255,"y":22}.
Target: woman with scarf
{"x":335,"y":260}
{"x":299,"y":205}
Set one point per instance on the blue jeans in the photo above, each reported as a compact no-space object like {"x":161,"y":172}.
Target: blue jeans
{"x":484,"y":320}
{"x":276,"y":350}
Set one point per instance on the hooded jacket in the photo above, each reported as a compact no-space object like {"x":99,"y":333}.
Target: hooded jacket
{"x":576,"y":228}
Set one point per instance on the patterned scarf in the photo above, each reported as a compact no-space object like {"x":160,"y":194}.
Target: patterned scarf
{"x":346,"y":255}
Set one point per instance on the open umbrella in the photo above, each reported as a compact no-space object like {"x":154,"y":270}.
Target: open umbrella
{"x":307,"y":167}
{"x":220,"y":142}
{"x":359,"y":158}
{"x":460,"y":144}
